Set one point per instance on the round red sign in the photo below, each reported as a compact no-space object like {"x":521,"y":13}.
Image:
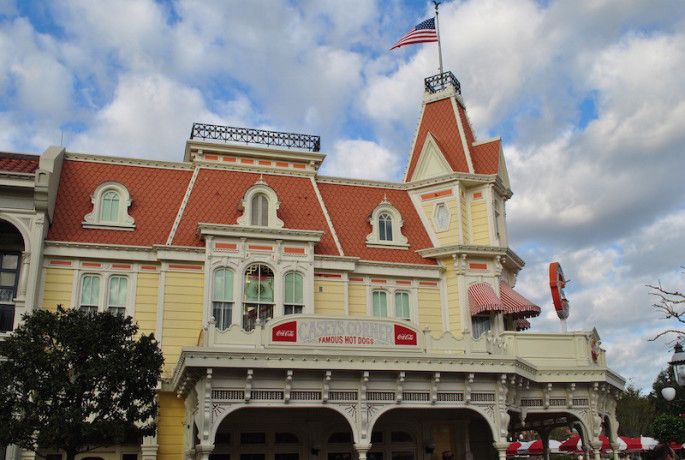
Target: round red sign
{"x":557,"y":283}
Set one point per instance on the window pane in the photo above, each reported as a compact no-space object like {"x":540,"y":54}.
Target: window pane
{"x":222,"y":312}
{"x":380,"y":304}
{"x":117,"y":291}
{"x":481,"y":324}
{"x":385,"y":227}
{"x":10,"y":261}
{"x":252,"y":438}
{"x":292,"y":309}
{"x":90,"y":290}
{"x":259,"y":212}
{"x":293,"y":288}
{"x":6,"y":295}
{"x":110,"y":207}
{"x":7,"y":278}
{"x":259,"y":284}
{"x":223,"y":285}
{"x":402,"y":305}
{"x":6,"y":317}
{"x":286,"y":438}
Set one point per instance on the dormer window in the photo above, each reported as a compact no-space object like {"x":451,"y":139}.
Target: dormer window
{"x":111,"y":201}
{"x":386,"y":224}
{"x":260,"y":205}
{"x":260,"y":210}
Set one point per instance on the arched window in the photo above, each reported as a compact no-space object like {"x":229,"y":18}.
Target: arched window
{"x":293,"y":302}
{"x":116,"y":295}
{"x":222,"y":298}
{"x":260,"y":210}
{"x":90,"y":293}
{"x":109,"y":208}
{"x":258,"y":296}
{"x":380,"y":304}
{"x":402,"y":305}
{"x":385,"y":227}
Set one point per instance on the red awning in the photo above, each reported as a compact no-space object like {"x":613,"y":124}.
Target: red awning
{"x":482,"y":298}
{"x":522,"y":324}
{"x":516,"y":304}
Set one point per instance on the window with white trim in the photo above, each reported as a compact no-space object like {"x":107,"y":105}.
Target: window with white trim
{"x":480,"y":324}
{"x":89,"y":300}
{"x":116,"y":295}
{"x":379,"y":306}
{"x":293,"y":299}
{"x":386,"y":226}
{"x":222,"y":298}
{"x":260,"y":206}
{"x":441,"y":217}
{"x":111,"y":201}
{"x":258,"y":300}
{"x":402,"y":309}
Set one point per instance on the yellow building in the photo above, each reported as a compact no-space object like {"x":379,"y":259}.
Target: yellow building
{"x":305,"y":316}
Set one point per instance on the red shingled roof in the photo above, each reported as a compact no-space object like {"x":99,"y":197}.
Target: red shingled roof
{"x":350,"y":207}
{"x":485,"y":157}
{"x":217,"y":194}
{"x":17,"y":162}
{"x":156,"y":196}
{"x":439,"y":119}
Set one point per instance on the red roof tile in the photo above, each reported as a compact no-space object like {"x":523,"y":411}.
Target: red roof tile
{"x":350,"y":207}
{"x":17,"y":162}
{"x":217,"y":195}
{"x":468,"y":129}
{"x":439,"y":119}
{"x":156,"y":196}
{"x":485,"y":157}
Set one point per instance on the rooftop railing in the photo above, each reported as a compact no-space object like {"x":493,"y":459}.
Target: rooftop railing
{"x":442,"y":81}
{"x":255,"y":136}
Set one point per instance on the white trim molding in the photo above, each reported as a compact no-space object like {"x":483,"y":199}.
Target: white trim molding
{"x":261,"y":187}
{"x":123,"y":220}
{"x":374,"y":238}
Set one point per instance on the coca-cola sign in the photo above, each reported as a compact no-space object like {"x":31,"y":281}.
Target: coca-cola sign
{"x":344,"y":332}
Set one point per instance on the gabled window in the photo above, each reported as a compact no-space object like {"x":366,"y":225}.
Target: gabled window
{"x":380,"y":304}
{"x":260,"y":205}
{"x":90,"y":293}
{"x":111,"y":201}
{"x":116,"y":295}
{"x":222,"y":298}
{"x":386,"y":224}
{"x":294,"y":293}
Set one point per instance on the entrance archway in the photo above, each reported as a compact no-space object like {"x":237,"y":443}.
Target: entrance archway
{"x":11,"y":250}
{"x":290,"y":433}
{"x":431,"y":434}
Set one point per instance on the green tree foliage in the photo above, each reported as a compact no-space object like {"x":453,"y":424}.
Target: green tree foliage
{"x":634,"y":412}
{"x":667,"y":428}
{"x":76,"y":381}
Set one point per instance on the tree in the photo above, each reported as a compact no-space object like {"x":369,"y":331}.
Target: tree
{"x":75,"y":381}
{"x":671,"y":303}
{"x":667,"y":428}
{"x":634,"y":412}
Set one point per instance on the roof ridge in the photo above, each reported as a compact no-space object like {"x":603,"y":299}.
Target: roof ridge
{"x":182,"y":207}
{"x":327,"y":216}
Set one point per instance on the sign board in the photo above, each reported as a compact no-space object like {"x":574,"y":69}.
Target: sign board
{"x":345,"y":332}
{"x":557,"y":283}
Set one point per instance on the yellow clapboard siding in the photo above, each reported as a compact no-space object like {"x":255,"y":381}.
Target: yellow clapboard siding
{"x":147,"y":288}
{"x":329,"y":298}
{"x":453,"y":303}
{"x":183,"y":295}
{"x":430,"y":311}
{"x":58,"y":285}
{"x":479,"y":222}
{"x":170,"y":429}
{"x":357,"y":300}
{"x":466,"y":228}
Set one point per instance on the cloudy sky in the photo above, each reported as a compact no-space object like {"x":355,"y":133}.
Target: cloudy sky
{"x":589,"y":97}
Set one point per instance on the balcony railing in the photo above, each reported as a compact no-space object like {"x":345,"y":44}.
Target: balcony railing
{"x":442,"y":81}
{"x":255,"y":136}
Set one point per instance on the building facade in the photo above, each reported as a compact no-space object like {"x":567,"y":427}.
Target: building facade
{"x":305,"y":316}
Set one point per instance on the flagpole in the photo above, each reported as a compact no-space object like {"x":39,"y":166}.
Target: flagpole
{"x":437,"y":30}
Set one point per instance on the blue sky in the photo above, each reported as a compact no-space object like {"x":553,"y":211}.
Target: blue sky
{"x":587,"y":96}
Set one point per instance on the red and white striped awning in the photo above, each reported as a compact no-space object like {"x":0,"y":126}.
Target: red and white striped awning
{"x":522,"y":324}
{"x":516,"y":304}
{"x":482,"y":298}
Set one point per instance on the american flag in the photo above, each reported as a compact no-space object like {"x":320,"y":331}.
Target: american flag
{"x":424,"y":32}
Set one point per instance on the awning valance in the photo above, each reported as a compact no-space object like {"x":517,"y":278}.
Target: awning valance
{"x":522,"y":324}
{"x":516,"y":304}
{"x":482,"y":298}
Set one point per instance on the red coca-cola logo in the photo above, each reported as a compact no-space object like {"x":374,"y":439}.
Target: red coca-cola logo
{"x":286,"y":332}
{"x":404,"y":336}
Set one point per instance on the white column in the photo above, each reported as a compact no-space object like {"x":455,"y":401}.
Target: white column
{"x":362,"y":450}
{"x":23,"y":274}
{"x":501,"y":449}
{"x":202,"y":451}
{"x":149,"y":448}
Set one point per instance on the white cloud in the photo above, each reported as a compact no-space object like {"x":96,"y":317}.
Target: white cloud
{"x":361,"y":159}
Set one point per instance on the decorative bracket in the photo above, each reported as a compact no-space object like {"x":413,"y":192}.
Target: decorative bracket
{"x":546,"y":395}
{"x":400,"y":384}
{"x":288,"y":385}
{"x":467,"y":390}
{"x":363,"y":386}
{"x":248,"y":385}
{"x":434,"y":387}
{"x":326,"y":386}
